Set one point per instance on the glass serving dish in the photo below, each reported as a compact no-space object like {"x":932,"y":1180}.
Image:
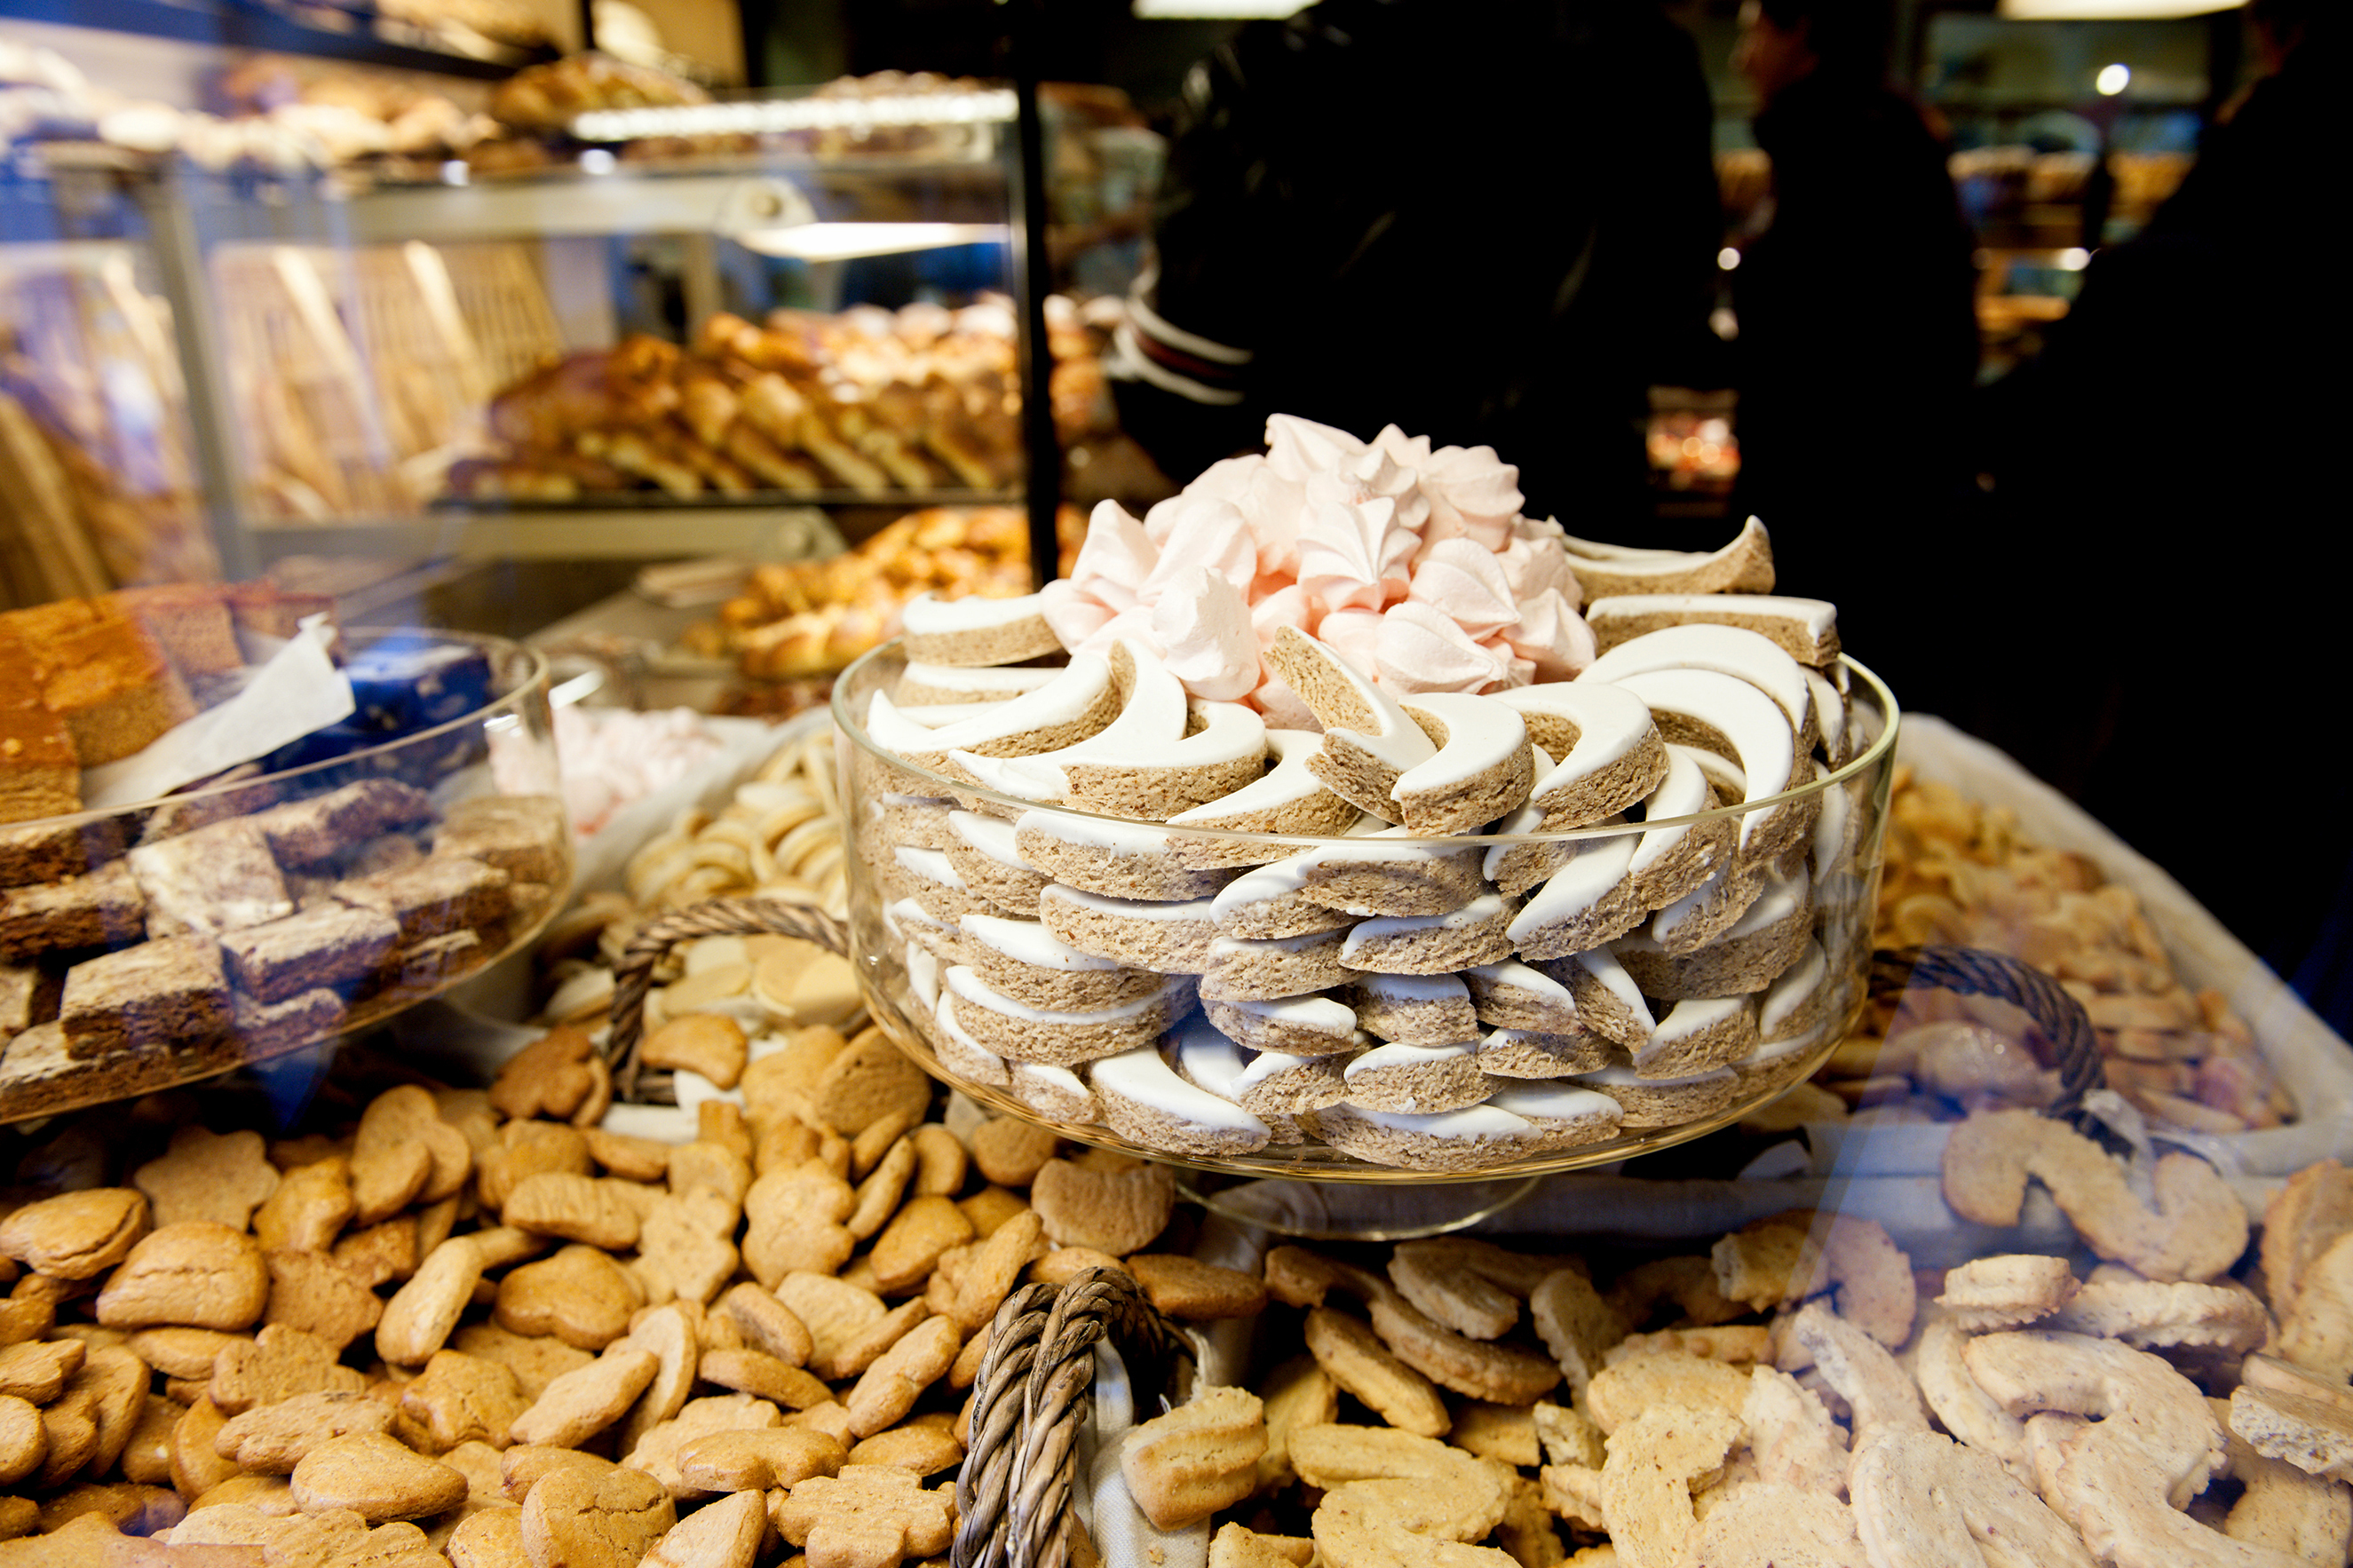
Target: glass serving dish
{"x":1754,"y":1010}
{"x":344,"y":877}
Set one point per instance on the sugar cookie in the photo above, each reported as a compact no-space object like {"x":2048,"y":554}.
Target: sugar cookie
{"x":968,"y":632}
{"x":1165,"y":937}
{"x":931,"y":881}
{"x":917,"y":821}
{"x":1369,"y":740}
{"x":1804,"y":629}
{"x":1418,"y":1080}
{"x":1245,"y":971}
{"x":1775,"y":1064}
{"x":1672,"y":861}
{"x":1145,"y":1102}
{"x":1611,"y":752}
{"x":1414,"y":1009}
{"x":1483,"y":770}
{"x":1432,"y":945}
{"x":1835,"y":737}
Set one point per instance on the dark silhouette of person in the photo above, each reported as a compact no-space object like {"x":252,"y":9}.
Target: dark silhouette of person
{"x":2171,"y":538}
{"x":1857,"y":323}
{"x":1495,"y":226}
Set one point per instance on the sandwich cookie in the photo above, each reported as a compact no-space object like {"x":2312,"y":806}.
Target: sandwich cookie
{"x":1165,"y":938}
{"x":1023,"y":962}
{"x":1005,"y":1027}
{"x":1591,"y":899}
{"x":1608,"y":1003}
{"x":1057,"y":1094}
{"x":1145,"y":1101}
{"x":1743,"y":566}
{"x":1417,"y":1079}
{"x":921,"y":683}
{"x":975,"y":631}
{"x":1539,"y":1053}
{"x":1414,"y":1009}
{"x":1369,"y":740}
{"x":1512,"y":995}
{"x":1804,"y":629}
{"x":1563,"y":1115}
{"x":1611,"y":754}
{"x":1483,"y":770}
{"x":1207,"y":1059}
{"x":1699,"y":1036}
{"x":1289,"y":798}
{"x":1728,"y":650}
{"x":983,"y":853}
{"x":1765,"y":943}
{"x":1664,"y":1102}
{"x":1293,"y":1026}
{"x":1119,"y":860}
{"x":1432,"y":945}
{"x":1079,"y":701}
{"x":1468,"y":1139}
{"x":963,"y":1055}
{"x":1245,"y":971}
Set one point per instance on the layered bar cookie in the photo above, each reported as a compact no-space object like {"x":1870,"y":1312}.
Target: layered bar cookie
{"x":216,"y":878}
{"x":169,"y":992}
{"x":268,"y":1028}
{"x":39,"y":773}
{"x":439,"y":894}
{"x":104,"y":909}
{"x":522,"y":834}
{"x":52,"y":851}
{"x":315,"y":831}
{"x":333,"y":947}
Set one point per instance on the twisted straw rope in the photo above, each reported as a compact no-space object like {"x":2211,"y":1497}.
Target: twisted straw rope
{"x":719,"y":917}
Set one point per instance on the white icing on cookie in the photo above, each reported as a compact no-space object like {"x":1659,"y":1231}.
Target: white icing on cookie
{"x":1830,"y":829}
{"x":1482,"y":1120}
{"x":1482,"y":734}
{"x":1693,"y":1016}
{"x":1484,"y":910}
{"x":1056,"y":1093}
{"x":1142,"y":1075}
{"x":966,"y":984}
{"x":1409,"y":989}
{"x":1598,"y":867}
{"x":1829,"y":717}
{"x":1819,"y":617}
{"x":1067,"y":698}
{"x":1027,"y":942}
{"x":990,"y":836}
{"x":1201,"y":909}
{"x":1315,"y":1014}
{"x":1287,"y":783}
{"x":905,"y":917}
{"x":1723,"y":776}
{"x":922,"y":976}
{"x":1115,"y":835}
{"x":998,"y":683}
{"x":1513,"y":975}
{"x":1603,"y":965}
{"x":1782,"y":897}
{"x":1542,"y":1102}
{"x":1682,"y":793}
{"x":1206,"y":1055}
{"x":940,"y":715}
{"x":1394,"y":738}
{"x":1775,"y":1050}
{"x":1608,"y":724}
{"x":931,"y":865}
{"x":1745,"y":716}
{"x":1263,"y":1065}
{"x":928,"y":614}
{"x":963,"y":1054}
{"x":1728,"y":650}
{"x":1394,"y":1056}
{"x":1260,"y":884}
{"x":1626,"y":1077}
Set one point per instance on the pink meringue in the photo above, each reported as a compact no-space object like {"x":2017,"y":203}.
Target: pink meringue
{"x":1551,"y":635}
{"x":1460,"y":580}
{"x":1420,"y":649}
{"x":1115,"y":558}
{"x":1203,"y":629}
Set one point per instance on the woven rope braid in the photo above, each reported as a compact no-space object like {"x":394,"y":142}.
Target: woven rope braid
{"x":718,"y":917}
{"x":1976,"y":972}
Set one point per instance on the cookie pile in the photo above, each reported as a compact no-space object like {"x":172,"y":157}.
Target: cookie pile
{"x":1960,"y":871}
{"x":476,"y":1323}
{"x":1793,"y":1396}
{"x":1118,"y":954}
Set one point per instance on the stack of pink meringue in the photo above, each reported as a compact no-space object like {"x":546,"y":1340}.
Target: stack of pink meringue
{"x":1413,"y":562}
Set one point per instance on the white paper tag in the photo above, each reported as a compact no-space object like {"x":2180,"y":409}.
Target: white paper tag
{"x":300,"y":690}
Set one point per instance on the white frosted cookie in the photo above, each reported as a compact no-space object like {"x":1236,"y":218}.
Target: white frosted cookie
{"x":1022,"y":961}
{"x":921,"y":683}
{"x":1777,"y":1064}
{"x":1589,"y":901}
{"x":1611,"y":754}
{"x":1800,"y":999}
{"x":1294,"y":1026}
{"x":895,"y":818}
{"x":983,"y":851}
{"x":1057,"y":1094}
{"x":1368,"y":874}
{"x":1710,"y":910}
{"x":1770,"y":938}
{"x":1608,"y":1003}
{"x":1206,"y":1058}
{"x":1167,"y":938}
{"x":1564,"y":1115}
{"x":1483,"y":768}
{"x":1540,"y":1054}
{"x":1270,"y":901}
{"x":1245,"y":971}
{"x":1726,"y":715}
{"x":1664,"y":1102}
{"x":922,"y":978}
{"x":1835,"y":739}
{"x":1274,"y":1086}
{"x":930,"y":878}
{"x":1005,"y":1027}
{"x":1079,"y":700}
{"x":1414,"y":1009}
{"x":1744,"y":566}
{"x":1417,"y":1079}
{"x":1289,"y":798}
{"x":1698,"y":1036}
{"x":1515,"y":995}
{"x":1432,"y":945}
{"x":910,"y":922}
{"x":1517,"y":867}
{"x":1369,"y":740}
{"x":1466,"y":1140}
{"x":1122,"y":859}
{"x":1672,"y":861}
{"x":974,"y":631}
{"x":1728,"y":650}
{"x":962,"y":1055}
{"x":1804,"y":629}
{"x":1145,"y":1102}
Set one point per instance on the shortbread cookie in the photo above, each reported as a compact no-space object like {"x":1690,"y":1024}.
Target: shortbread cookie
{"x":1415,"y":1009}
{"x":1672,"y":860}
{"x":1726,"y":715}
{"x":1270,"y":901}
{"x":923,"y":682}
{"x":1608,"y":1003}
{"x":1080,"y":700}
{"x":1369,"y":740}
{"x":1665,"y":1102}
{"x":1800,"y":999}
{"x":1728,"y":650}
{"x":1145,"y":1102}
{"x":1025,"y":962}
{"x":1432,"y":945}
{"x":1170,"y":938}
{"x":1056,"y":1093}
{"x":1419,"y":1079}
{"x":1743,"y":566}
{"x":962,"y":1055}
{"x":1698,"y":1036}
{"x":1006,"y":1028}
{"x":1770,"y":938}
{"x":1611,"y":754}
{"x":931,"y":881}
{"x":1263,"y":971}
{"x":1513,"y":996}
{"x":1589,"y":901}
{"x":1205,"y":1058}
{"x":1290,"y":798}
{"x":1295,"y":1026}
{"x":1119,"y":860}
{"x":1804,"y":629}
{"x":1534,"y":1054}
{"x":1564,"y":1115}
{"x":983,"y":851}
{"x":1467,"y":1139}
{"x":1367,"y":874}
{"x":974,"y":631}
{"x":1483,"y":768}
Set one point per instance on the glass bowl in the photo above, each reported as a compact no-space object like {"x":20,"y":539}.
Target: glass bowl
{"x":338,"y":881}
{"x":1769,"y":998}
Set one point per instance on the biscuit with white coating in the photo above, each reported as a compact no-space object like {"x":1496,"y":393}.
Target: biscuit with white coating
{"x":1289,"y":798}
{"x":1117,"y":859}
{"x":1167,"y":937}
{"x":1416,"y":1079}
{"x":983,"y":851}
{"x":1413,"y":1009}
{"x":1006,"y":1028}
{"x":1243,"y":971}
{"x":1483,"y":768}
{"x":1369,"y":740}
{"x":1447,"y":943}
{"x":975,"y":632}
